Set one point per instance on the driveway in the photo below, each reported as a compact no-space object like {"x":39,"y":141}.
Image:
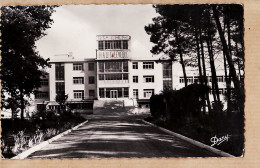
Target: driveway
{"x":118,"y":135}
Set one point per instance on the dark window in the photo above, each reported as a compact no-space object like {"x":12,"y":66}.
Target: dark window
{"x":101,"y":45}
{"x":101,"y":66}
{"x":148,"y":79}
{"x":125,"y":44}
{"x":135,"y":79}
{"x":148,"y":65}
{"x":135,"y":93}
{"x":167,"y":83}
{"x":60,"y":87}
{"x":91,"y":66}
{"x":167,"y":70}
{"x":91,"y":80}
{"x":126,"y":92}
{"x":91,"y":93}
{"x":59,"y":71}
{"x":135,"y":65}
{"x":101,"y":77}
{"x":41,"y":95}
{"x":44,"y":82}
{"x":101,"y":92}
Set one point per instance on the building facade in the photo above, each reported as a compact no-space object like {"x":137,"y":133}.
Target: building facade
{"x":113,"y":75}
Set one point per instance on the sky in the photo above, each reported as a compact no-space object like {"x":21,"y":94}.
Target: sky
{"x":75,"y":29}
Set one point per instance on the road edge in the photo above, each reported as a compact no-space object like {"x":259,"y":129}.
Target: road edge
{"x":35,"y":148}
{"x":194,"y":142}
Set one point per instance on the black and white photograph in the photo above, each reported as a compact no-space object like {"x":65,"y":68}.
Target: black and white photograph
{"x":122,"y":81}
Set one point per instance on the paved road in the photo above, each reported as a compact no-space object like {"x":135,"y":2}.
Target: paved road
{"x":119,"y":135}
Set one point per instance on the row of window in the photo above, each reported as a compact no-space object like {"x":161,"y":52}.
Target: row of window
{"x":88,"y":106}
{"x":146,"y":79}
{"x":195,"y":79}
{"x":220,"y":91}
{"x":113,"y":44}
{"x":41,"y":95}
{"x":113,"y":66}
{"x":79,"y":94}
{"x":113,"y":76}
{"x":146,"y":65}
{"x":44,"y":82}
{"x":147,"y":93}
{"x":113,"y":92}
{"x":80,"y":80}
{"x":79,"y":67}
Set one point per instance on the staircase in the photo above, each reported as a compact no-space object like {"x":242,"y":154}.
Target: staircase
{"x":110,"y":106}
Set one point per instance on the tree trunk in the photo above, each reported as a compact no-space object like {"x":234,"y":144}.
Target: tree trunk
{"x":22,"y":103}
{"x":227,"y":83}
{"x":181,"y":57}
{"x":226,"y":50}
{"x":205,"y":81}
{"x":199,"y":65}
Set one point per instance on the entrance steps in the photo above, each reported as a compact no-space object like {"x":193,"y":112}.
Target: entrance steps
{"x":118,"y":105}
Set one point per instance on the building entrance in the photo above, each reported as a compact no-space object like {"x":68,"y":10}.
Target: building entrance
{"x":113,"y":94}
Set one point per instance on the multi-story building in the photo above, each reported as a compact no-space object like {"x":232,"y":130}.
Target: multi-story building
{"x":113,"y":75}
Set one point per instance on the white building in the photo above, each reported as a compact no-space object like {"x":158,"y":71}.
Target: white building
{"x":113,"y":75}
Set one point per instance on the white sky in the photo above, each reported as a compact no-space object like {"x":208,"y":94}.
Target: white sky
{"x":75,"y":29}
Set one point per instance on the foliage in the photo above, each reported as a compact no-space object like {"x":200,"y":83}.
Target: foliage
{"x":22,"y":65}
{"x":31,"y":132}
{"x":61,"y":99}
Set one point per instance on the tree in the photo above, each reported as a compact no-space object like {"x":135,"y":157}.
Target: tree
{"x":22,"y":65}
{"x":61,"y":99}
{"x":171,"y":34}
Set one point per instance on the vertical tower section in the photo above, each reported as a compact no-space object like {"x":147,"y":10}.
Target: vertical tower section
{"x":112,"y":55}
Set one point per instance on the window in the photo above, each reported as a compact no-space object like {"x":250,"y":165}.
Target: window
{"x":77,"y":67}
{"x":78,"y":80}
{"x":101,"y":92}
{"x":167,"y":70}
{"x":126,"y":92}
{"x":91,"y":66}
{"x":135,"y":93}
{"x":220,"y":91}
{"x":148,"y":65}
{"x":135,"y":79}
{"x":101,"y":45}
{"x":41,"y":95}
{"x":91,"y":93}
{"x":113,"y":66}
{"x":190,"y":79}
{"x":135,"y":65}
{"x":181,"y":79}
{"x":91,"y":80}
{"x":78,"y":94}
{"x":125,"y":44}
{"x":148,"y":93}
{"x":167,"y":83}
{"x":196,"y":79}
{"x":59,"y":71}
{"x":220,"y":79}
{"x":44,"y":82}
{"x":101,"y":76}
{"x":60,"y":87}
{"x":148,"y":79}
{"x":101,"y":66}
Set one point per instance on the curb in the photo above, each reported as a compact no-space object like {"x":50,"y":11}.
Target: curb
{"x":33,"y":149}
{"x":194,"y":142}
